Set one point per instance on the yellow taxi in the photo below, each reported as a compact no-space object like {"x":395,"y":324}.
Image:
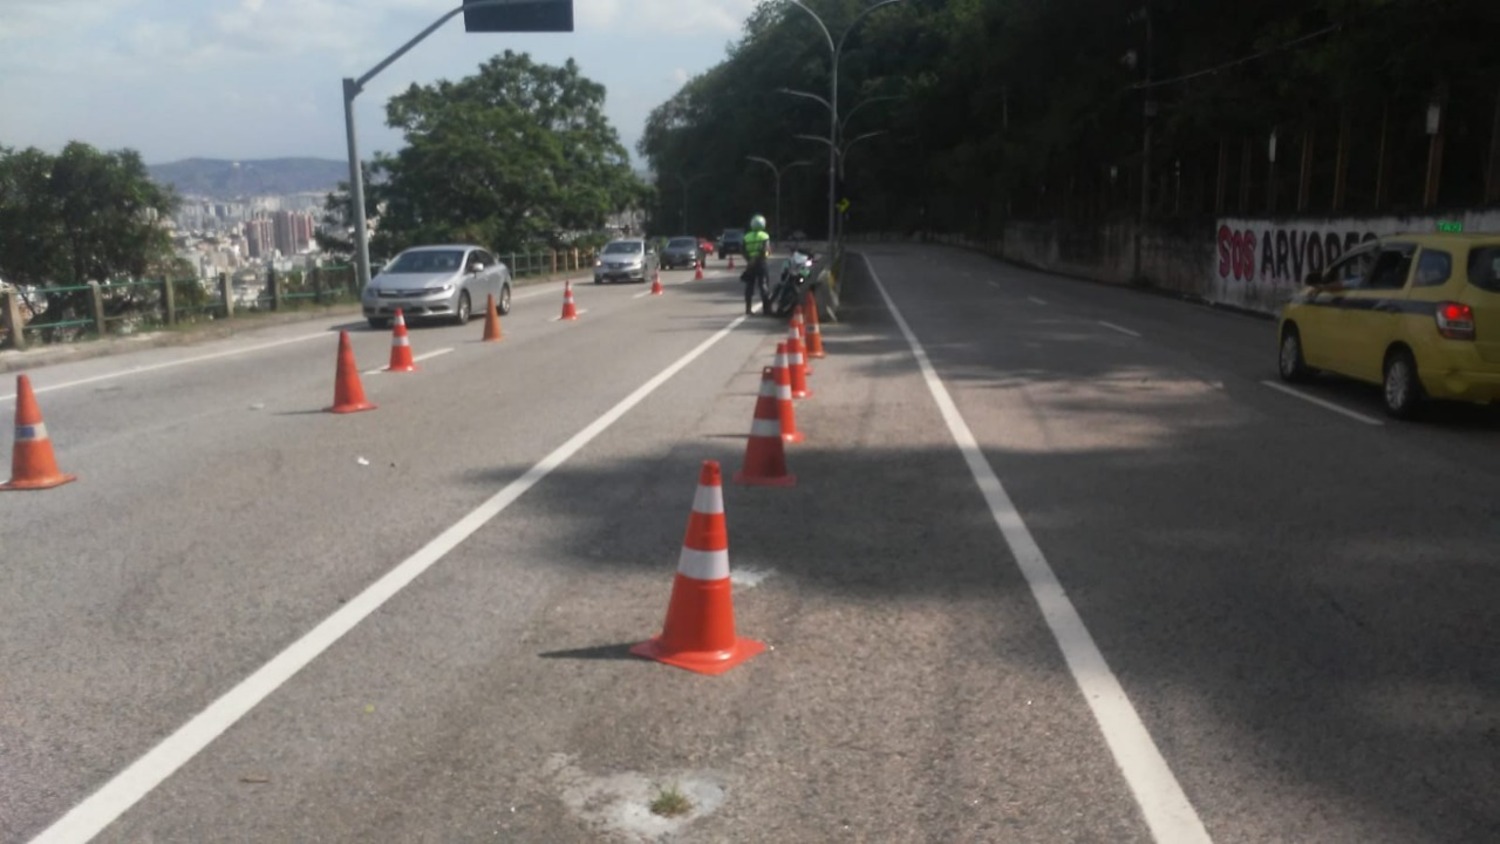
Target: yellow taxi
{"x":1417,"y":314}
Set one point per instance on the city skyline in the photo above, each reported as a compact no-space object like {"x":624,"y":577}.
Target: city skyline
{"x":169,"y":81}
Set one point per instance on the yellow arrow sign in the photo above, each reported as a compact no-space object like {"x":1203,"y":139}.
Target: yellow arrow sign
{"x":843,"y":206}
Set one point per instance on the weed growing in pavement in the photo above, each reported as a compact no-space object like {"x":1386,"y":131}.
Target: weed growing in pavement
{"x":671,"y":802}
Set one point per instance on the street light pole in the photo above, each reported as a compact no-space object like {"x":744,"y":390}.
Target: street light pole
{"x":778,"y":171}
{"x":352,"y":89}
{"x":835,"y":50}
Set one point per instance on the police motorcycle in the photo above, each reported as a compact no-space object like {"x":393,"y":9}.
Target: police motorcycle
{"x":796,"y":279}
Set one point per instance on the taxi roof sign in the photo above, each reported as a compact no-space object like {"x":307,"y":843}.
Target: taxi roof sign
{"x":1451,"y":226}
{"x":519,"y":16}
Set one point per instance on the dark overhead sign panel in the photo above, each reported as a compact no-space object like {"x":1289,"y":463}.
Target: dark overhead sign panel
{"x":523,"y":16}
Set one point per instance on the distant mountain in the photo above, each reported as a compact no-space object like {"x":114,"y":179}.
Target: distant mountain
{"x":223,"y":179}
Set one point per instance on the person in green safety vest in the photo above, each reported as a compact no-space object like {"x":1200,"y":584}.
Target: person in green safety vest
{"x":756,"y":277}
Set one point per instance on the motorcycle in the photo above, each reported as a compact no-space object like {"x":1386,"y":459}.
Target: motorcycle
{"x":796,"y":279}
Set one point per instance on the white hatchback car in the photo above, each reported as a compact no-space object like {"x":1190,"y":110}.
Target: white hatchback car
{"x":437,"y":282}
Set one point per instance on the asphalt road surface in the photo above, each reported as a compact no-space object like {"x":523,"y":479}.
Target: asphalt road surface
{"x":1060,"y":566}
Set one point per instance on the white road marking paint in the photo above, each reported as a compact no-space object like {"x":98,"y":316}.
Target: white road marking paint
{"x":1035,"y":301}
{"x":641,"y":294}
{"x":141,"y":370}
{"x":115,"y":797}
{"x":994,"y":284}
{"x":1120,"y":328}
{"x":579,"y":311}
{"x":1167,"y":811}
{"x":1326,"y":405}
{"x":418,"y":359}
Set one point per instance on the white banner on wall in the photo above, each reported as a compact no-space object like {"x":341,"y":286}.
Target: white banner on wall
{"x":1259,"y":264}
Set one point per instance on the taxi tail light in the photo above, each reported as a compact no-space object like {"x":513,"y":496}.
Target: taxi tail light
{"x":1455,"y":320}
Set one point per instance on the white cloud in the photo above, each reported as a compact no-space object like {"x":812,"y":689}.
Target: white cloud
{"x":679,"y":76}
{"x":38,"y":18}
{"x":709,"y":18}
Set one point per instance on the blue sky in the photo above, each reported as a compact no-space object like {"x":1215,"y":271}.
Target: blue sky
{"x":245,"y":79}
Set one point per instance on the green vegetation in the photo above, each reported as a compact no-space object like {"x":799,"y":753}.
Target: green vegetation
{"x":516,"y":156}
{"x":670,"y":802}
{"x":1015,"y":108}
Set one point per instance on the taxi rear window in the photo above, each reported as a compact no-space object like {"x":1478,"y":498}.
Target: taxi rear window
{"x":1484,"y":268}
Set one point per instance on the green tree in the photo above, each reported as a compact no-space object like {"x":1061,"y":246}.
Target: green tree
{"x":80,"y":216}
{"x":518,"y":154}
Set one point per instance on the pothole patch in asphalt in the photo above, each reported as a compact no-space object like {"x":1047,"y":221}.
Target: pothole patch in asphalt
{"x":749,"y":578}
{"x":620,"y":803}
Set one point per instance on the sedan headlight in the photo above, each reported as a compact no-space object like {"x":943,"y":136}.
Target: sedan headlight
{"x":438,"y":291}
{"x":598,"y":262}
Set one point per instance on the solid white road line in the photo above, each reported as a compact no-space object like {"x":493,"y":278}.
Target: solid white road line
{"x":1120,"y":328}
{"x":115,"y":797}
{"x":1035,"y":301}
{"x":140,"y":370}
{"x":579,"y":311}
{"x":1326,"y":405}
{"x":641,"y":294}
{"x":417,"y":359}
{"x":1168,"y":813}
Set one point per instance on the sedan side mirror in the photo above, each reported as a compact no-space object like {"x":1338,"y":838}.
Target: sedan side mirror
{"x":476,"y":268}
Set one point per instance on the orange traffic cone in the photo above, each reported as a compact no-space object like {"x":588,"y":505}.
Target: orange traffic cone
{"x":32,"y":463}
{"x":400,"y":347}
{"x":348,"y":392}
{"x":814,"y":332}
{"x":784,"y":405}
{"x":699,"y":631}
{"x":731,"y":262}
{"x":697,"y":271}
{"x":656,"y":284}
{"x":796,"y":365}
{"x":799,"y":328}
{"x":765,"y":453}
{"x":491,"y":321}
{"x":570,"y":311}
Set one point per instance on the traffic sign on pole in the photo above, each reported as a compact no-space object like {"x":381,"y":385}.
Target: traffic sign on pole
{"x":520,"y":16}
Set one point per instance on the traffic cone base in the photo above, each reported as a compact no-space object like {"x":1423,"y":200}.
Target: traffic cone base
{"x":32,"y":464}
{"x":702,"y":609}
{"x":348,"y":392}
{"x":491,"y":321}
{"x":400,"y":346}
{"x":699,"y":634}
{"x":698,"y":271}
{"x":656,"y":284}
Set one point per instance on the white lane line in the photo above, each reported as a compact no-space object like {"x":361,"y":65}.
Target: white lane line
{"x":115,"y":797}
{"x":994,"y":284}
{"x":641,"y":294}
{"x":140,"y":370}
{"x":1035,"y":301}
{"x":418,"y":359}
{"x":1120,"y":328}
{"x":1168,"y":813}
{"x":579,"y":311}
{"x":1326,"y":405}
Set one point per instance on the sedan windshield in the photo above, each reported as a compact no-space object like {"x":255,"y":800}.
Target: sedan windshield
{"x":624,"y":247}
{"x":682,"y":243}
{"x":428,"y":261}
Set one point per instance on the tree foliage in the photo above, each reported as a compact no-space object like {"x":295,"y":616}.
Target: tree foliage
{"x":1015,"y":107}
{"x":516,"y":155}
{"x":81,"y":215}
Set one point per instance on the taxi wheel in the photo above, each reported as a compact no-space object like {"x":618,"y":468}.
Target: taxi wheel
{"x":1403,"y":390}
{"x":1289,"y":362}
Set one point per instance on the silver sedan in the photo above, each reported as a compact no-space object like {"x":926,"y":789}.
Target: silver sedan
{"x":437,"y":282}
{"x":631,"y":259}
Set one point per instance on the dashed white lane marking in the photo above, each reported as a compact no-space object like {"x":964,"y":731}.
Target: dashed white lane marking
{"x":116,"y":796}
{"x":1326,"y":405}
{"x":1035,"y":301}
{"x":1120,"y":328}
{"x":1168,"y":814}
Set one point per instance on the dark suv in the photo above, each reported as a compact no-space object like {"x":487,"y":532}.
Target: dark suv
{"x":732,"y":242}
